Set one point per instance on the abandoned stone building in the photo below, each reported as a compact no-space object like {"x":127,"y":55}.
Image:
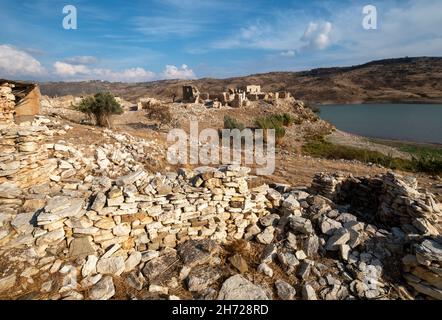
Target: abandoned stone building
{"x":251,"y":89}
{"x":234,"y":97}
{"x":190,"y":94}
{"x":19,"y":102}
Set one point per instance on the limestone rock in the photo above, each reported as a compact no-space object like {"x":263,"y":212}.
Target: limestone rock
{"x":239,"y":288}
{"x":103,"y":290}
{"x":284,"y":290}
{"x":81,"y":247}
{"x":308,"y":293}
{"x":133,"y":261}
{"x":113,"y":265}
{"x":199,"y":279}
{"x":239,"y":263}
{"x":197,"y":252}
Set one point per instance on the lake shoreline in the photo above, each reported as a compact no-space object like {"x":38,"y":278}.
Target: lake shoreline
{"x":417,"y":124}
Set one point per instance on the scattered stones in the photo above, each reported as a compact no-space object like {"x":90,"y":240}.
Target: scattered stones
{"x":340,"y":237}
{"x":109,"y":217}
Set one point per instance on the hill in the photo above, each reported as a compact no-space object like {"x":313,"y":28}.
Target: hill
{"x":391,"y":80}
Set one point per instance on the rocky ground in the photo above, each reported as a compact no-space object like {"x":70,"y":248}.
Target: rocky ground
{"x":84,"y":214}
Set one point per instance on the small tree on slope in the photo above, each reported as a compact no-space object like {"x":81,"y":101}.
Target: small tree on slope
{"x":101,"y":106}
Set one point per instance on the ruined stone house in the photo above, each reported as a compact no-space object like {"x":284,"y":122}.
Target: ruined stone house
{"x":251,"y":89}
{"x":19,"y":102}
{"x":190,"y":93}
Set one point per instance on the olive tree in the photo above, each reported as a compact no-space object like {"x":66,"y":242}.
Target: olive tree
{"x":100,"y":107}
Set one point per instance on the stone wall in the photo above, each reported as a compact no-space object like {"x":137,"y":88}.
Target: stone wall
{"x":7,"y":103}
{"x":28,"y":102}
{"x":168,"y":210}
{"x":390,"y":199}
{"x":423,"y":268}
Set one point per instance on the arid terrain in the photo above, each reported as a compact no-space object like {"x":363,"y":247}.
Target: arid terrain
{"x":97,"y":213}
{"x":394,"y":80}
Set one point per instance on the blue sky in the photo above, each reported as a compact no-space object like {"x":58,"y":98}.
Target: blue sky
{"x":163,"y":39}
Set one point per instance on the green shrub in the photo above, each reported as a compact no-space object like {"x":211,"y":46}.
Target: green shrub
{"x":279,"y":134}
{"x":317,"y":147}
{"x":100,"y":107}
{"x":287,"y":120}
{"x":231,"y":123}
{"x":275,"y":122}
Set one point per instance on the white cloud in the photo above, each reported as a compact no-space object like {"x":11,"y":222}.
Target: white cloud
{"x":172,"y":72}
{"x":129,"y":75}
{"x":284,"y":33}
{"x":81,"y":60}
{"x":68,"y":71}
{"x":64,"y":69}
{"x":14,"y":62}
{"x":411,"y":29}
{"x":317,"y":35}
{"x":81,"y":72}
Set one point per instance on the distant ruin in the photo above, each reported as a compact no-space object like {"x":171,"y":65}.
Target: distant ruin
{"x":233,"y":97}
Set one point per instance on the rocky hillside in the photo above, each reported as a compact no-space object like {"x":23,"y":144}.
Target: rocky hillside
{"x":102,"y":227}
{"x":392,"y":80}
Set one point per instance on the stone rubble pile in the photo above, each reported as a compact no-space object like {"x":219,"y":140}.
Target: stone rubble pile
{"x":424,"y":268}
{"x":128,"y":152}
{"x":78,"y":223}
{"x":390,"y":198}
{"x":7,"y":103}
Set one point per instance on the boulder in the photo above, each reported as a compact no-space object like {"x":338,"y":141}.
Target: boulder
{"x":103,"y":290}
{"x":239,"y":288}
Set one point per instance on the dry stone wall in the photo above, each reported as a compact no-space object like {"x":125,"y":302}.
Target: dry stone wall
{"x":7,"y":103}
{"x":390,"y":199}
{"x":423,"y":268}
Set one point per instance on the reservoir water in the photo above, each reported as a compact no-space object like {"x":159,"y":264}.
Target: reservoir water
{"x":407,"y":122}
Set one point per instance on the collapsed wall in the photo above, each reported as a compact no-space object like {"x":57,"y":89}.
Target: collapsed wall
{"x":19,"y":102}
{"x":390,"y":199}
{"x":423,"y":268}
{"x":395,"y":201}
